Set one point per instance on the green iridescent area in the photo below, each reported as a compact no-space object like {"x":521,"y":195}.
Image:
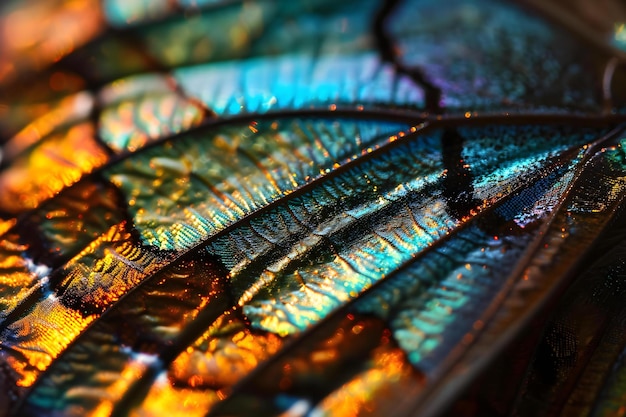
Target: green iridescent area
{"x":182,"y":190}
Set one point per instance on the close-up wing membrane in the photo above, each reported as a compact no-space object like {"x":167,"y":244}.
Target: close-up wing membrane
{"x":314,"y":208}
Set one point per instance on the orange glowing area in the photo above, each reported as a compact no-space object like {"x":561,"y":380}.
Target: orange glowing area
{"x":71,"y":109}
{"x":54,"y":164}
{"x":179,"y":402}
{"x":5,"y":225}
{"x":107,"y":268}
{"x":34,"y":34}
{"x":16,"y":277}
{"x":225,"y":354}
{"x":379,"y":389}
{"x":41,"y":337}
{"x":20,"y":107}
{"x":98,"y":276}
{"x":113,"y":392}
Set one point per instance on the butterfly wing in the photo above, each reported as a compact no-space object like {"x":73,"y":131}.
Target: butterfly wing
{"x":233,"y":208}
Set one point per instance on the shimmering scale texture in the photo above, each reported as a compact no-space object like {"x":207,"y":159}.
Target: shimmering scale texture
{"x":70,"y":222}
{"x":493,"y":148}
{"x":382,"y":385}
{"x":179,"y":295}
{"x":336,"y":258}
{"x":234,"y":208}
{"x":569,"y":234}
{"x":435,"y":301}
{"x":469,"y":271}
{"x":227,"y":352}
{"x":192,"y":190}
{"x":49,"y":145}
{"x":65,"y":226}
{"x":586,"y":333}
{"x":375,"y":177}
{"x":405,"y":216}
{"x":18,"y":273}
{"x":312,"y":368}
{"x":88,"y":284}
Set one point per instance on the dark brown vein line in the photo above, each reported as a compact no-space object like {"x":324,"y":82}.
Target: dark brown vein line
{"x":414,"y":118}
{"x":142,"y":50}
{"x":458,"y":186}
{"x":388,"y":53}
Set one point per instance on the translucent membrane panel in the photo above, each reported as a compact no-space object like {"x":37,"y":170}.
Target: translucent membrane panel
{"x":299,"y":82}
{"x":138,"y":110}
